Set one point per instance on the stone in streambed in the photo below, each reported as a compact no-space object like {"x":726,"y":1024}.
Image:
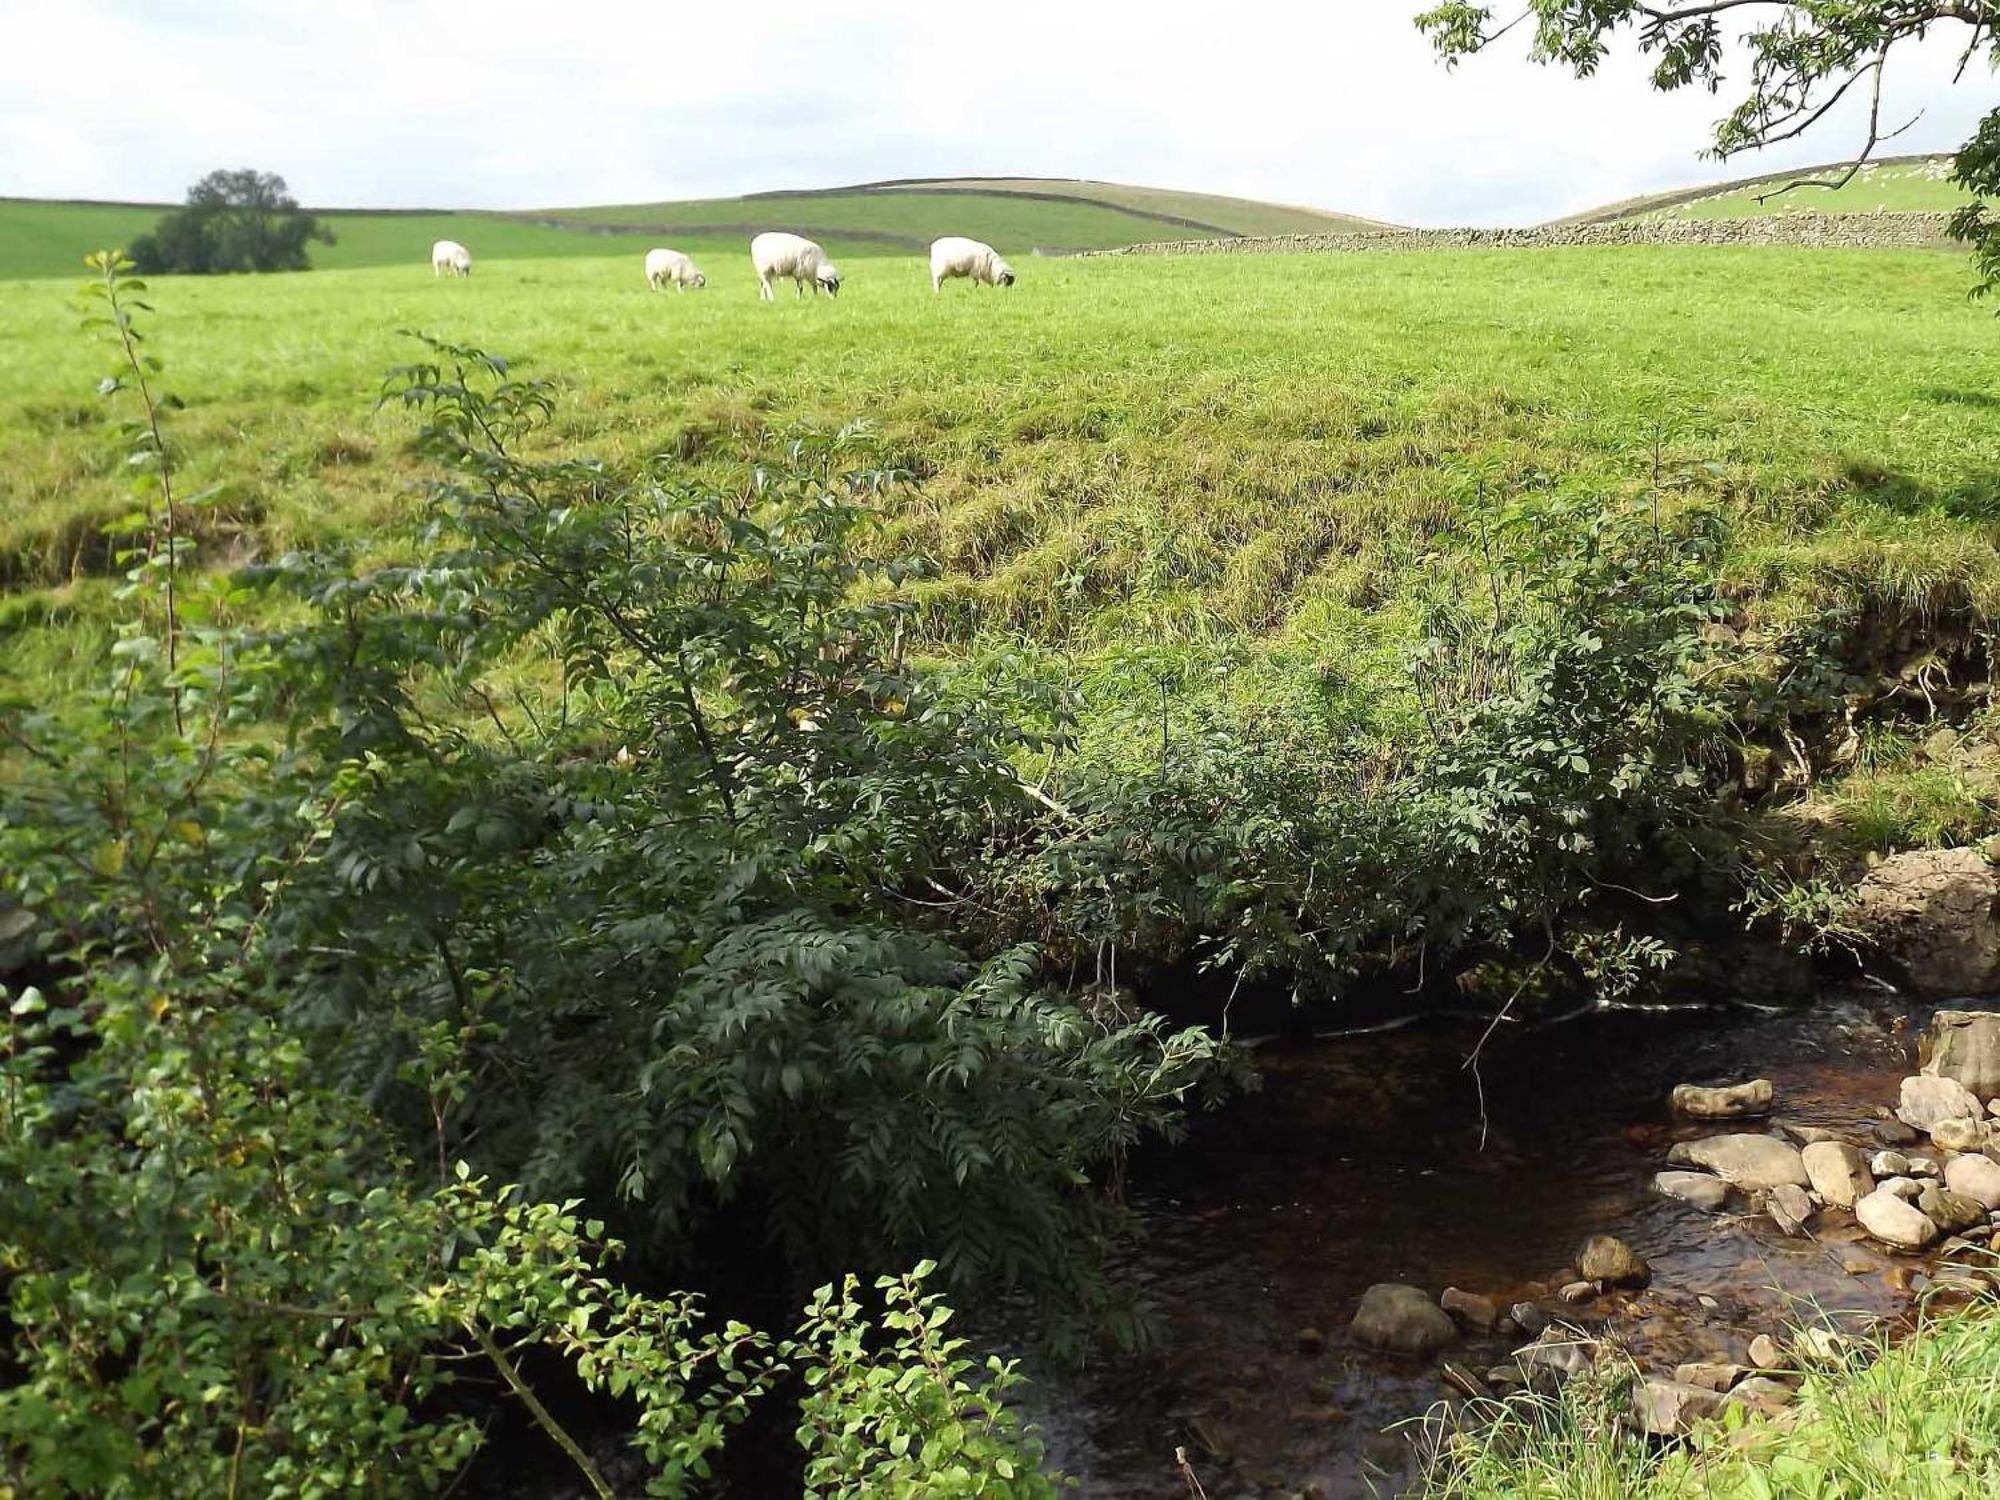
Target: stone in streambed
{"x":1894,"y":1133}
{"x":1755,"y":1163}
{"x":1975,"y":1177}
{"x":1476,"y":1313}
{"x":1401,"y":1318}
{"x":1789,"y":1207}
{"x":1576,"y":1292}
{"x":1529,"y":1318}
{"x":1765,"y":1353}
{"x":1888,"y":1164}
{"x":1728,"y":1102}
{"x":1697,"y":1189}
{"x":1924,"y":1100}
{"x":1959,"y":1134}
{"x":1607,"y":1259}
{"x":1710,"y":1377}
{"x":1838,"y":1173}
{"x":1887,"y":1215}
{"x":1804,"y":1135}
{"x":1950,"y":1211}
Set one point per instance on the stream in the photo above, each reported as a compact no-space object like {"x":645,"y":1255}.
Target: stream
{"x":1361,"y":1160}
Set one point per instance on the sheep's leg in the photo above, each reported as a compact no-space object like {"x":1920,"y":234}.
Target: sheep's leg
{"x":763,"y":286}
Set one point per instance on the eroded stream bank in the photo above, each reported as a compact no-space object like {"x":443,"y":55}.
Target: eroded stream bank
{"x":1361,"y":1161}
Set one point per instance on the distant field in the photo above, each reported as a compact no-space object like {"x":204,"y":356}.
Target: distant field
{"x":1910,"y":185}
{"x":1011,"y":222}
{"x":1020,"y":214}
{"x":1237,"y":215}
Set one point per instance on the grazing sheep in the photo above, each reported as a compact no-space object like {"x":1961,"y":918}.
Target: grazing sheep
{"x":776,"y":254}
{"x":450,"y":257}
{"x":955,"y":255}
{"x":663,"y":266}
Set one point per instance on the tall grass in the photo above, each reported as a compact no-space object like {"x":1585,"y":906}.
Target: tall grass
{"x":1919,"y":1420}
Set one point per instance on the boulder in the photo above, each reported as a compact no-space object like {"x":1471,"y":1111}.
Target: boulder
{"x":1950,"y":1211}
{"x":1975,"y":1177}
{"x":1402,"y":1318}
{"x":1669,"y":1408}
{"x":1838,"y":1172}
{"x":1730,"y":1101}
{"x":1964,"y":1045}
{"x":1606,"y":1258}
{"x":1924,"y":1166}
{"x":1696,"y":1188}
{"x":1894,"y":1221}
{"x":1959,"y":1134}
{"x":1755,"y":1163}
{"x":1895,"y":1133}
{"x":1889,"y":1164}
{"x":1473,"y":1311}
{"x":1933,"y":911}
{"x":1926,"y":1099}
{"x":1789,"y":1207}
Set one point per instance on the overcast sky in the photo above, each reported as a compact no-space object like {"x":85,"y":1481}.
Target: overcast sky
{"x":498,"y":104}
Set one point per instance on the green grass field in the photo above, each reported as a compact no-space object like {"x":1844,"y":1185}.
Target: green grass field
{"x":1269,"y":452}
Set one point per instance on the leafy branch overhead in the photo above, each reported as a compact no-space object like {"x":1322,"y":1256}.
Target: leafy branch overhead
{"x":1804,"y":57}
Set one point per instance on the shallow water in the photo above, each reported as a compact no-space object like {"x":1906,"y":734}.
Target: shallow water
{"x":1361,"y":1160}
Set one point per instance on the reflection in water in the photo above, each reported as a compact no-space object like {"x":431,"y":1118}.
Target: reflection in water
{"x":1359,"y":1161}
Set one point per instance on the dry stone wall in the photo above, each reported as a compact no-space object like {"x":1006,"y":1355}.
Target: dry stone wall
{"x":1866,"y":231}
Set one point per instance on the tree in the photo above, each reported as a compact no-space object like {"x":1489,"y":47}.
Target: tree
{"x":243,"y":220}
{"x":1805,"y":56}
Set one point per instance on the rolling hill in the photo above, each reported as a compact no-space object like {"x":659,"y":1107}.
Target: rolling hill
{"x":1893,"y":184}
{"x":41,"y":237}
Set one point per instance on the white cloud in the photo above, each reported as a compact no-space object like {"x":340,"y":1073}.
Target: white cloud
{"x":510,"y":104}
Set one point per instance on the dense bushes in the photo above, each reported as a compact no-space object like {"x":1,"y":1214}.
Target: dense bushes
{"x":1575,"y":713}
{"x":590,"y":849}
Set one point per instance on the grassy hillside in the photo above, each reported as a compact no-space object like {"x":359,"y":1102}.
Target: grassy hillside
{"x":1225,"y":454}
{"x":40,"y":238}
{"x":915,"y":216}
{"x":1237,"y":215}
{"x":1902,"y":185}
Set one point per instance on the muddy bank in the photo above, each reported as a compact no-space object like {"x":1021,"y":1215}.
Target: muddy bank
{"x":1381,"y":1157}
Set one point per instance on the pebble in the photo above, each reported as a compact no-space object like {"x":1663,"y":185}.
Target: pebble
{"x":1765,"y":1353}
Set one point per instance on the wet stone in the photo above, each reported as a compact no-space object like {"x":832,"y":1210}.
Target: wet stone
{"x":1895,"y":1133}
{"x":1727,"y":1102}
{"x":1950,"y":1211}
{"x":1977,"y":1178}
{"x":1698,"y":1189}
{"x":1401,"y":1318}
{"x":1576,"y":1292}
{"x":1755,"y":1163}
{"x":1475,"y":1313}
{"x":1765,"y":1353}
{"x":1790,"y":1209}
{"x":1607,"y":1259}
{"x":1924,"y":1100}
{"x":1839,"y":1173}
{"x":1892,"y":1219}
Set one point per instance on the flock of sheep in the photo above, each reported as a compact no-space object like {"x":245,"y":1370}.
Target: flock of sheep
{"x":778,"y":257}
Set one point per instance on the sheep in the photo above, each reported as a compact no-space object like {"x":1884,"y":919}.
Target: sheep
{"x":778,"y":254}
{"x":955,"y":255}
{"x":452,"y":257}
{"x":663,"y":266}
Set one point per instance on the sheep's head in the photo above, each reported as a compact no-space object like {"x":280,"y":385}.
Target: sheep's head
{"x":1003,"y":274}
{"x":698,"y":281}
{"x":828,"y":276}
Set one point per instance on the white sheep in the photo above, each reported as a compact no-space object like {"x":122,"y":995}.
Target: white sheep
{"x":775,"y":254}
{"x":450,"y":257}
{"x":955,"y":255}
{"x":663,"y":266}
